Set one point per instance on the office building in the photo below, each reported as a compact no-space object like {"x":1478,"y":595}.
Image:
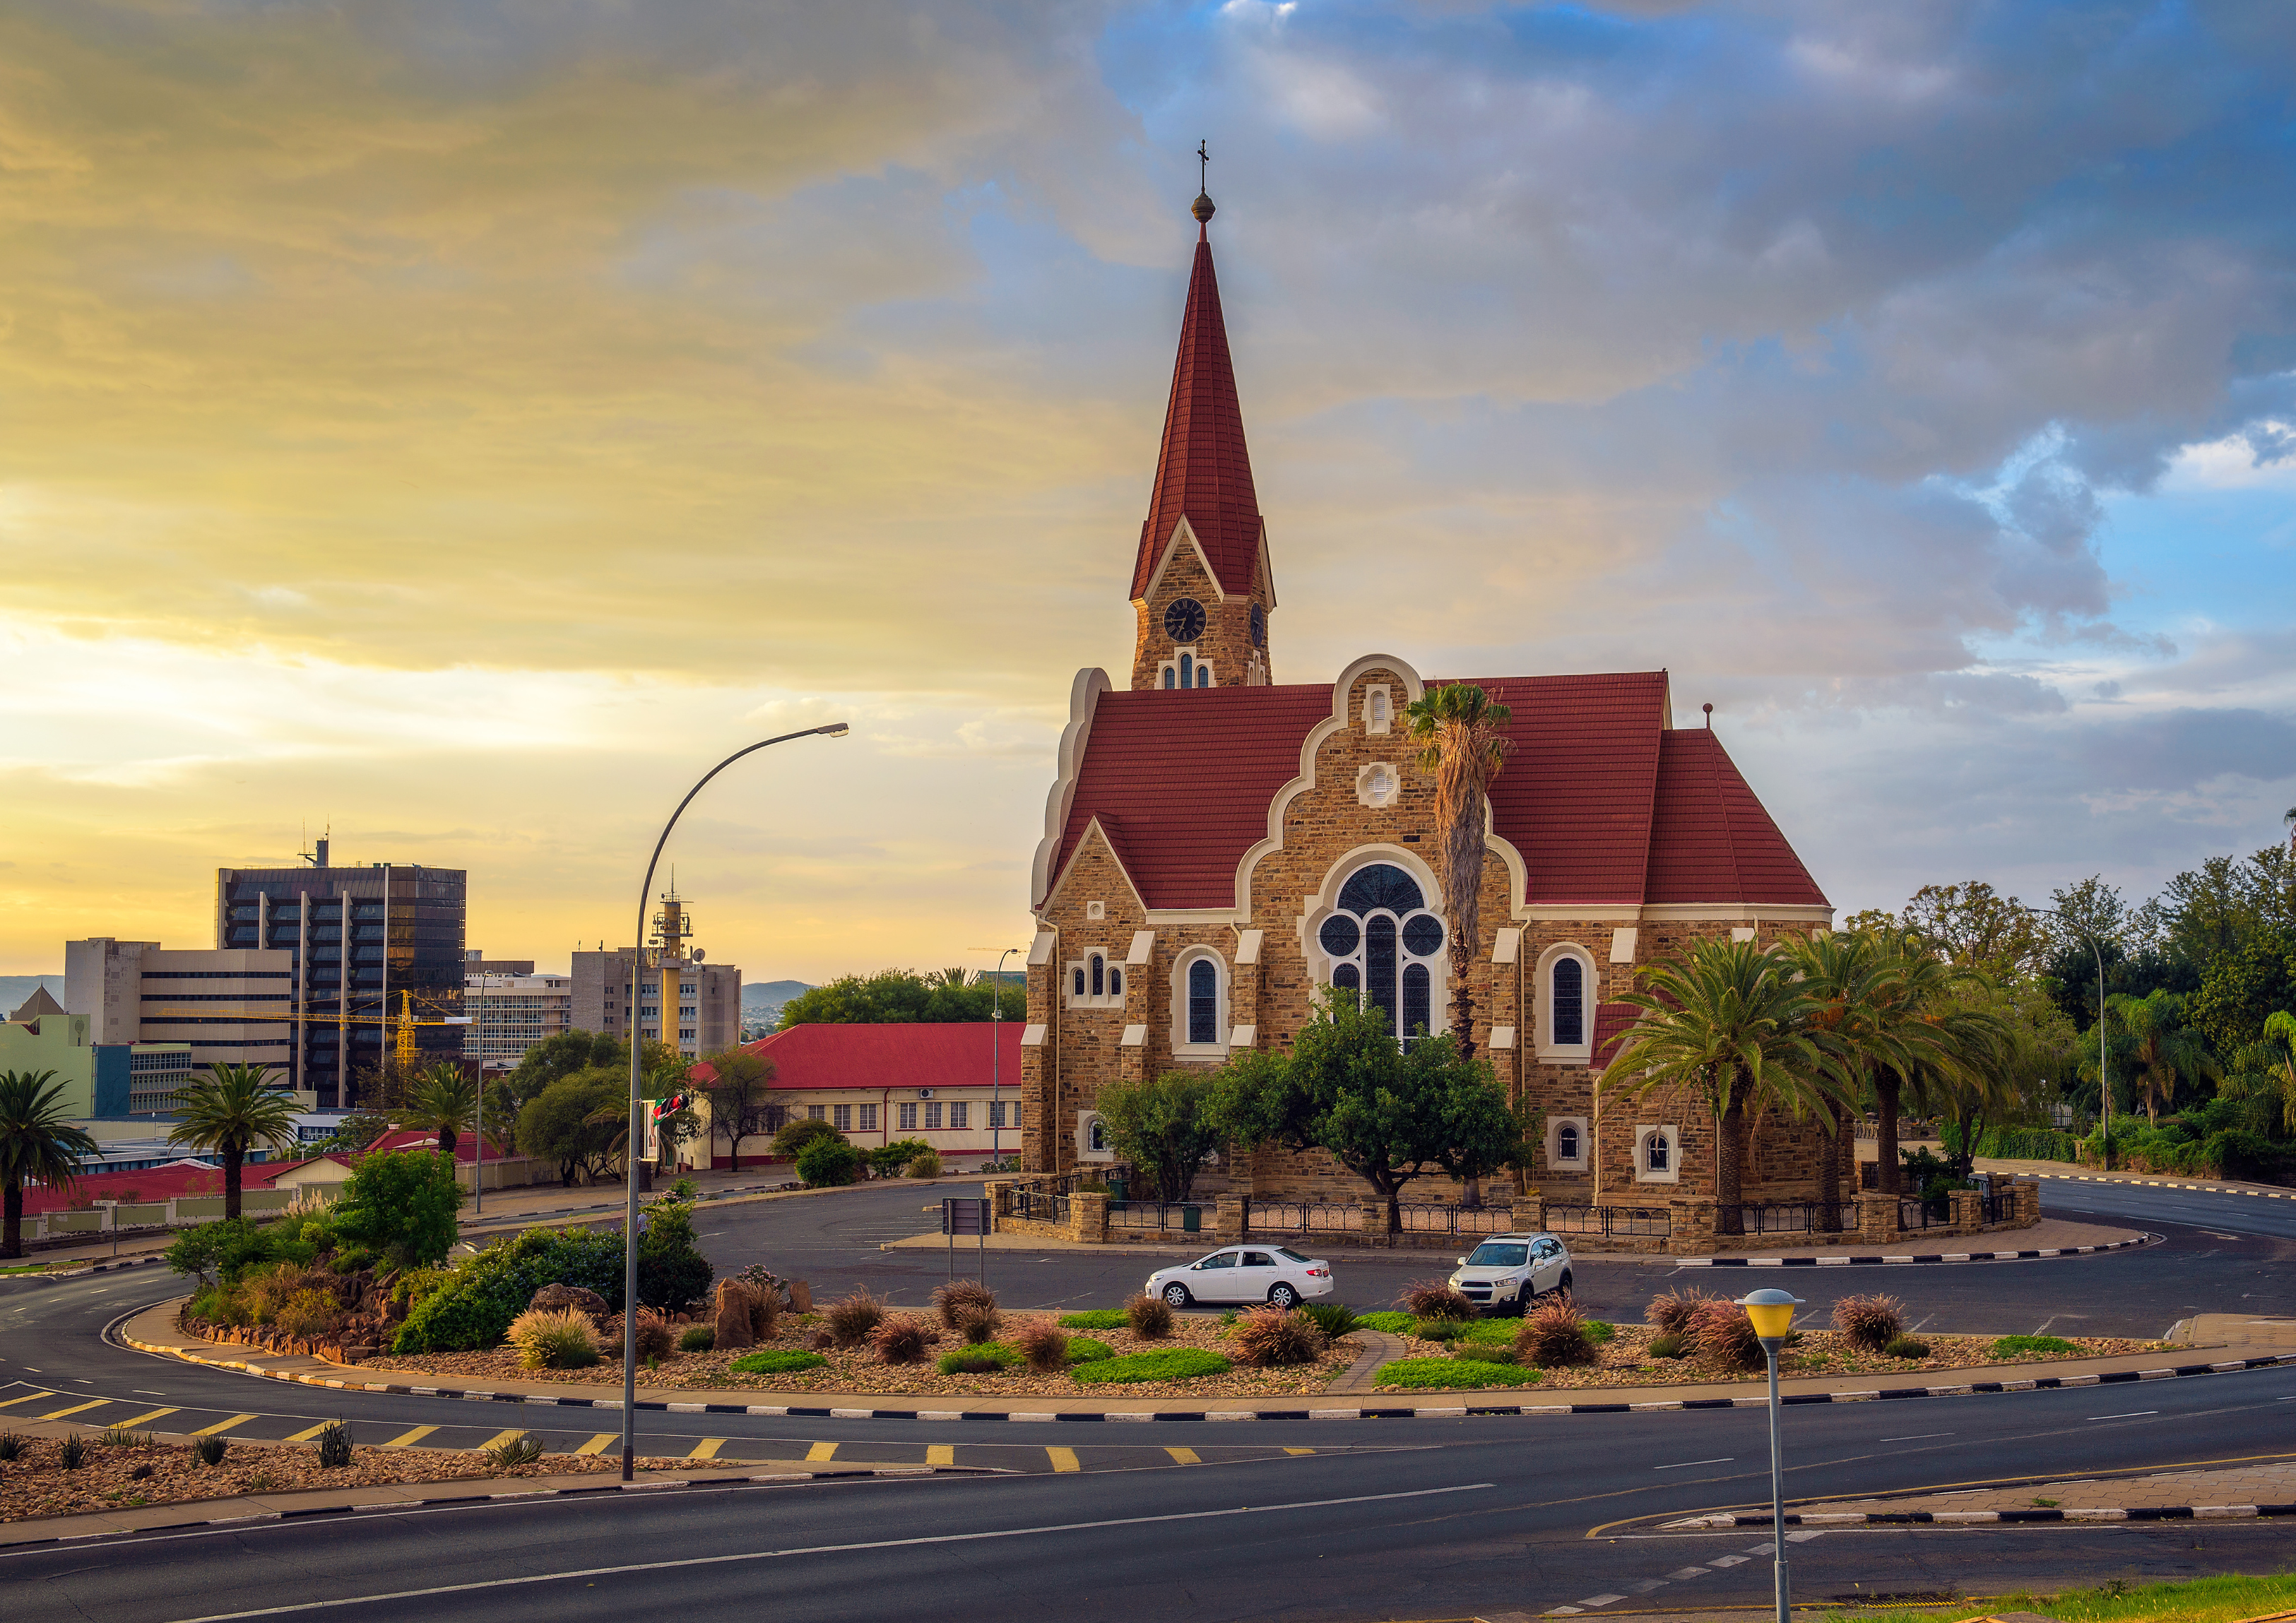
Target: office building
{"x":709,"y":1007}
{"x":231,"y":1007}
{"x":98,"y":1079}
{"x":512,"y":1008}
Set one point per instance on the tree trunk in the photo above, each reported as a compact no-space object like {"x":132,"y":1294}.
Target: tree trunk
{"x":12,"y":1243}
{"x":1471,"y":1197}
{"x":1729,"y":1167}
{"x":446,"y":1142}
{"x":1829,"y":1174}
{"x":1463,"y":997}
{"x":1889,"y":1176}
{"x":231,"y":1159}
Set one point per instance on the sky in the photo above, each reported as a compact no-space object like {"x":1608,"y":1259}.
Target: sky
{"x":456,"y":425}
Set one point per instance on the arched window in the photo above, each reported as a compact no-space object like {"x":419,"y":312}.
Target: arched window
{"x":1204,"y":676}
{"x":1187,"y":671}
{"x":1569,"y":1003}
{"x":1098,"y":1137}
{"x":1099,"y":975}
{"x":1377,"y":708}
{"x":1079,"y":992}
{"x":1566,"y":1143}
{"x":1385,"y":944}
{"x":1203,"y":1002}
{"x":1657,"y":1153}
{"x":1170,"y":678}
{"x":1115,"y":983}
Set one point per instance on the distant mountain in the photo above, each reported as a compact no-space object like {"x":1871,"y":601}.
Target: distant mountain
{"x":762,"y":1001}
{"x":16,"y":989}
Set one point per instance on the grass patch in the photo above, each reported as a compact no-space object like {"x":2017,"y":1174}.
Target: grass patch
{"x":2202,"y":1599}
{"x":981,"y":1358}
{"x":1601,"y":1332}
{"x":1392,"y":1324}
{"x":1083,"y":1350}
{"x":1426,"y":1373}
{"x":775,"y":1361}
{"x":1165,"y":1364}
{"x":1496,"y":1332}
{"x":2009,"y":1345}
{"x":1098,"y":1318}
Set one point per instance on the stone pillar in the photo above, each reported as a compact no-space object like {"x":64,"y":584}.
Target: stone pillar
{"x":1694,"y":1228}
{"x":1968,"y":1213}
{"x":1530,"y":1214}
{"x":1000,"y":1194}
{"x":1227,"y":1219}
{"x":1877,"y":1218}
{"x":1088,"y":1218}
{"x":2029,"y":1201}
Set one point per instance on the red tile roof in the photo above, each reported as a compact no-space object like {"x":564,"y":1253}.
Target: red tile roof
{"x":909,"y":1054}
{"x":1710,"y":839}
{"x":1203,"y":469}
{"x":152,"y":1183}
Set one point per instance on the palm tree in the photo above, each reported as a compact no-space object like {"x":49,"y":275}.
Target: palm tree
{"x":444,"y":1101}
{"x":2163,"y":1050}
{"x":228,"y":1112}
{"x":37,"y":1144}
{"x":952,"y":977}
{"x":1730,"y":1023}
{"x":1463,"y":741}
{"x":1844,"y":973}
{"x":2280,"y":1043}
{"x":1923,"y":1021}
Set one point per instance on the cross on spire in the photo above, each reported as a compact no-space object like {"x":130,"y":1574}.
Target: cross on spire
{"x":1203,"y":167}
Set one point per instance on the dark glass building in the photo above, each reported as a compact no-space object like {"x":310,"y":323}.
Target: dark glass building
{"x":366,"y":942}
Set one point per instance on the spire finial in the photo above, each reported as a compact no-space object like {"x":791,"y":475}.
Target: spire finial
{"x":1202,"y":207}
{"x":1710,"y":717}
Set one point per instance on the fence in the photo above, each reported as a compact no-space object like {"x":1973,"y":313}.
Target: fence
{"x":1301,"y":1217}
{"x":1157,"y":1217}
{"x":1045,"y":1198}
{"x":1432,"y":1218}
{"x":1787,"y":1217}
{"x":1657,"y":1220}
{"x":1039,"y":1205}
{"x":1915,"y":1213}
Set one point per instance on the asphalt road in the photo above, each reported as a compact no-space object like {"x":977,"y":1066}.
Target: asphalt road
{"x":1392,"y":1519}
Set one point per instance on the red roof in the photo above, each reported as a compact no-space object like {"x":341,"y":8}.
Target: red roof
{"x":1203,"y":469}
{"x":152,"y":1183}
{"x":424,"y":1138}
{"x":919,"y":1053}
{"x":1606,"y":803}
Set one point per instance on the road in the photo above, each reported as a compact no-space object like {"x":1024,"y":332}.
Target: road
{"x":1394,"y":1518}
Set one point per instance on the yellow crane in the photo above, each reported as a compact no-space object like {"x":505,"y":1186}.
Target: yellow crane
{"x":404,"y":1023}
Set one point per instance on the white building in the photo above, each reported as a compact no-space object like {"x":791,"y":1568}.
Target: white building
{"x":510,"y":1013}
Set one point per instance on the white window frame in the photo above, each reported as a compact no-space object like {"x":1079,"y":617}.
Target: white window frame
{"x":1112,"y":974}
{"x":1379,"y":718}
{"x":1182,"y":1048}
{"x":1555,"y":1156}
{"x":1378,"y":784}
{"x":868,"y":1119}
{"x":906,"y":1115}
{"x":1326,"y":902}
{"x":1200,"y":671}
{"x":1548,"y":1050}
{"x":840,"y":1117}
{"x":1086,"y":1121}
{"x":960,"y":1115}
{"x":932,"y":1117}
{"x":1642,"y":1137}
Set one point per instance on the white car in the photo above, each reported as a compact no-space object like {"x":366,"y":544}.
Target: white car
{"x":1245,"y":1274}
{"x":1509,"y":1270}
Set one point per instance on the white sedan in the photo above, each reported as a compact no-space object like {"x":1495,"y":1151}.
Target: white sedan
{"x":1245,"y":1274}
{"x":1510,"y":1270}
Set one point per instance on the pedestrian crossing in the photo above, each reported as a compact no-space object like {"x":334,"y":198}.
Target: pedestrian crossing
{"x":21,"y":1402}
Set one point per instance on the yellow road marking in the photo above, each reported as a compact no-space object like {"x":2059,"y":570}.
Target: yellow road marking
{"x":145,"y":1419}
{"x":309,"y":1432}
{"x":411,"y":1435}
{"x":707,"y":1448}
{"x":1184,"y":1457}
{"x":26,"y":1397}
{"x":223,"y":1425}
{"x":1299,"y":1451}
{"x":597,"y":1445}
{"x":77,"y":1408}
{"x":1064,"y":1459}
{"x":939,"y":1453}
{"x":496,"y":1441}
{"x":822,"y":1451}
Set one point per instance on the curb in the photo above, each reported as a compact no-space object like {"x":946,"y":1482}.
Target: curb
{"x":2136,"y":1512}
{"x":2147,"y":1238}
{"x":2163,"y":1182}
{"x":2042,"y":1383}
{"x":106,"y":1266}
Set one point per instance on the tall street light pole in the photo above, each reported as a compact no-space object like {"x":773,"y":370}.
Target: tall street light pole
{"x":1772,"y":1313}
{"x":835,"y":729}
{"x":996,"y":1062}
{"x":2103,"y":1080}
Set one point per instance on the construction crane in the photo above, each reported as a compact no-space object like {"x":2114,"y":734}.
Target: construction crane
{"x":404,"y":1023}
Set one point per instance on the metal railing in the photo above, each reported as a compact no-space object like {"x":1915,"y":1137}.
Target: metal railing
{"x":1158,"y":1216}
{"x":1996,"y":1208}
{"x":1446,"y":1218}
{"x":1301,"y":1217}
{"x":1572,"y":1219}
{"x":1787,"y":1217}
{"x":1916,"y":1213}
{"x":1039,"y":1205}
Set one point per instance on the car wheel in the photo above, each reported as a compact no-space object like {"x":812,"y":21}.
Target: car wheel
{"x":1175,"y":1295}
{"x":1284,"y":1297}
{"x":1525,"y":1297}
{"x":1563,"y":1284}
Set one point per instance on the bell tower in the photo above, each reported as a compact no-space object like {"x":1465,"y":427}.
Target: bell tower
{"x":1202,"y":590}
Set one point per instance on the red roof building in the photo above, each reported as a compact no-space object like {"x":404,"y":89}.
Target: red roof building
{"x":1218,"y":848}
{"x":954,"y":1086}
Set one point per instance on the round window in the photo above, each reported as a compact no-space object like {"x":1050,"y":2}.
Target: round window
{"x":1339,"y":935}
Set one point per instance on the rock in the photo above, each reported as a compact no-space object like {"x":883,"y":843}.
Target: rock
{"x":800,"y":1297}
{"x":736,"y":1302}
{"x":588,"y":1303}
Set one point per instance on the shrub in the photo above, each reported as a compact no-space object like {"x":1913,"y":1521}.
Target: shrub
{"x":828,"y":1162}
{"x":850,"y":1320}
{"x":927,"y":1165}
{"x":209,"y":1450}
{"x":1436,"y":1299}
{"x":1488,"y":1332}
{"x":308,"y":1312}
{"x":524,"y":1449}
{"x":12,"y":1447}
{"x":1044,"y":1345}
{"x":977,"y":1324}
{"x":673,"y":1275}
{"x":1164,"y":1363}
{"x":1601,"y":1332}
{"x":977,"y":1361}
{"x":1150,"y":1317}
{"x":1392,"y":1324}
{"x":791,"y":1141}
{"x":1084,"y":1349}
{"x":335,"y":1446}
{"x":887,"y":1160}
{"x":1723,"y":1334}
{"x":225,"y":1250}
{"x":120,"y":1437}
{"x":1671,"y":1313}
{"x":901,"y":1339}
{"x":1096,"y":1318}
{"x":657,"y":1338}
{"x":2008,"y":1345}
{"x":555,"y":1338}
{"x":775,"y":1361}
{"x":1476,"y":1352}
{"x":414,"y":1285}
{"x":1266,"y":1337}
{"x":1334,"y":1319}
{"x":1438,"y":1329}
{"x":72,"y":1453}
{"x":475,"y":1305}
{"x":1870,"y":1322}
{"x":1554,"y":1336}
{"x":1669,"y":1347}
{"x":954,"y":1298}
{"x":698,"y":1338}
{"x":401,"y":1203}
{"x":1906,"y":1347}
{"x":1437,"y":1372}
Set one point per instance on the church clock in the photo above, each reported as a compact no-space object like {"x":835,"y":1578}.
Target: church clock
{"x":1183,"y":620}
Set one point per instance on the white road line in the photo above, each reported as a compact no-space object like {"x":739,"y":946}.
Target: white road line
{"x":1601,"y":1600}
{"x":1916,"y":1437}
{"x":2132,"y":1415}
{"x":1686,"y":1464}
{"x":1728,"y":1560}
{"x":836,"y":1549}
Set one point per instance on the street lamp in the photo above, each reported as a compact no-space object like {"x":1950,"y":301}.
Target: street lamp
{"x":1772,"y":1313}
{"x":2103,"y":1080}
{"x":996,"y":1062}
{"x":835,"y":729}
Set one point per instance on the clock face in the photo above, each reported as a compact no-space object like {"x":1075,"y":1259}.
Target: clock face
{"x":1259,"y":627}
{"x":1183,"y":620}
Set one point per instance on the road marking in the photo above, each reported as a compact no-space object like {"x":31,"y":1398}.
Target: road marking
{"x":680,"y":1564}
{"x":140,"y":1392}
{"x":1184,"y":1457}
{"x":597,"y":1445}
{"x":2132,"y":1415}
{"x":1601,"y":1600}
{"x":496,"y":1441}
{"x":309,"y":1432}
{"x":411,"y":1436}
{"x":822,"y":1451}
{"x":1063,"y":1459}
{"x":1916,"y":1437}
{"x":1299,"y":1451}
{"x":1686,"y":1464}
{"x":77,"y":1408}
{"x":26,"y":1397}
{"x":145,"y":1419}
{"x":1728,"y":1560}
{"x":707,"y":1448}
{"x":1687,"y":1573}
{"x":223,"y":1425}
{"x":940,"y":1454}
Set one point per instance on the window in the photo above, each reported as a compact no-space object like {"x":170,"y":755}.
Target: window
{"x":1565,"y":989}
{"x":1566,"y":1144}
{"x":932,"y":1117}
{"x":1385,"y":944}
{"x":1096,"y":1136}
{"x":1378,"y":713}
{"x":908,"y":1117}
{"x":1115,"y":983}
{"x":1569,"y":1003}
{"x":1099,"y":977}
{"x":1658,"y":1155}
{"x":1203,"y":1002}
{"x":996,"y":1114}
{"x":1655,"y":1152}
{"x":817,"y":1112}
{"x":1075,"y":978}
{"x":868,"y":1119}
{"x":957,"y":1115}
{"x":1096,"y":982}
{"x":1187,"y":671}
{"x":842,"y":1117}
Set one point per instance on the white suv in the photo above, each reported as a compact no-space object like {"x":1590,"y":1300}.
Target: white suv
{"x":1509,"y":1270}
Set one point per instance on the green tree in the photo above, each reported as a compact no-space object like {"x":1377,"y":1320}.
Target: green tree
{"x":1972,"y":925}
{"x":557,"y":1124}
{"x":226,"y":1113}
{"x":891,"y":1160}
{"x":795,"y":1135}
{"x":1387,"y":1113}
{"x":558,"y":1056}
{"x":894,"y":997}
{"x":737,"y":1086}
{"x":2279,"y":1062}
{"x":39,"y":1143}
{"x":830,"y":1161}
{"x":1164,"y":1127}
{"x":445,"y":1100}
{"x":353,"y":1134}
{"x":2161,"y":1050}
{"x":401,"y":1203}
{"x":1462,"y":742}
{"x":673,"y":1275}
{"x":2243,"y":986}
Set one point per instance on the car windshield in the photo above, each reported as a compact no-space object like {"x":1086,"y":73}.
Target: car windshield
{"x":1285,"y":1250}
{"x":1499,"y":1254}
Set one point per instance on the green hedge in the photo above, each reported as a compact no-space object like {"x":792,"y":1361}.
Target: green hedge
{"x":775,"y":1361}
{"x":1165,"y":1364}
{"x":474,"y":1307}
{"x":1435,"y":1373}
{"x":2015,"y":1144}
{"x":1096,"y":1318}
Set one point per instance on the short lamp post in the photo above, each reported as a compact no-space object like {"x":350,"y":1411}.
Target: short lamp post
{"x":1772,"y":1313}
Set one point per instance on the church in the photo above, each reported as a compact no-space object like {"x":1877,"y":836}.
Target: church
{"x":1219,"y":845}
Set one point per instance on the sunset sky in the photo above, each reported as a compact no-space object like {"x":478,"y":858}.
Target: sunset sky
{"x":461,"y":423}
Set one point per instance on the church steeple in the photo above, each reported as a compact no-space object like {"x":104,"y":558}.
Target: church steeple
{"x":1201,"y":586}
